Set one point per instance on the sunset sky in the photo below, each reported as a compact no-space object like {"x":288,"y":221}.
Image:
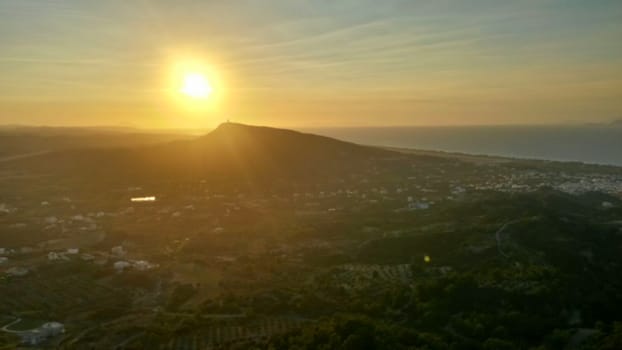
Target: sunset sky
{"x":311,"y":63}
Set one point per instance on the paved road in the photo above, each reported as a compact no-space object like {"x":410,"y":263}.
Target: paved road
{"x":6,"y":327}
{"x":505,"y":225}
{"x":498,"y":238}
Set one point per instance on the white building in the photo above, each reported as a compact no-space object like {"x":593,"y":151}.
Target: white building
{"x":51,"y":220}
{"x":5,"y":208}
{"x":143,"y":265}
{"x":418,"y":205}
{"x":87,"y":257}
{"x":53,"y":256}
{"x":121,"y":265}
{"x":118,"y":251}
{"x":38,"y":335}
{"x":52,"y":328}
{"x":17,"y":271}
{"x":458,"y":190}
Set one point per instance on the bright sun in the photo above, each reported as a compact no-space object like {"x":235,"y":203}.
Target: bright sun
{"x":196,"y":85}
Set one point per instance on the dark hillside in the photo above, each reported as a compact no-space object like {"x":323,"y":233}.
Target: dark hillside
{"x":231,"y":152}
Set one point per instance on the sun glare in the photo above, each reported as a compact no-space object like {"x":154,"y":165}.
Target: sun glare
{"x":196,"y":85}
{"x":195,"y":89}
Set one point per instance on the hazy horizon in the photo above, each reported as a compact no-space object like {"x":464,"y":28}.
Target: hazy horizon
{"x":605,"y":123}
{"x":586,"y":143}
{"x":295,"y":174}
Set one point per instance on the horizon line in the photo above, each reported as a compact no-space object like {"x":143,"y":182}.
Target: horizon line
{"x":302,"y":127}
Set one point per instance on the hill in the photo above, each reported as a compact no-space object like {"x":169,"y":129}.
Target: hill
{"x":22,"y":141}
{"x":230,"y":152}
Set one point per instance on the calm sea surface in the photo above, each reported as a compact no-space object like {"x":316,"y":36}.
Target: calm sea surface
{"x":590,"y":144}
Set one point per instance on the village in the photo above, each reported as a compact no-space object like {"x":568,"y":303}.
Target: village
{"x":154,"y":251}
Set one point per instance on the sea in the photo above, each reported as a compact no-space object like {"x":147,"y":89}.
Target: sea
{"x":596,"y":144}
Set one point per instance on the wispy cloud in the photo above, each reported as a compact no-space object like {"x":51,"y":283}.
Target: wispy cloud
{"x":404,"y":50}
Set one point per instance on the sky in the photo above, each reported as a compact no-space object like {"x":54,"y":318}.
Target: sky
{"x":296,"y":63}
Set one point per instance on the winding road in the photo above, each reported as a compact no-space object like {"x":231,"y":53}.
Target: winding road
{"x":6,"y":327}
{"x":498,"y":238}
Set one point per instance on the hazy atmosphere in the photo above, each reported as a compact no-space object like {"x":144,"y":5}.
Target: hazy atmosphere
{"x":311,"y":175}
{"x":311,"y":63}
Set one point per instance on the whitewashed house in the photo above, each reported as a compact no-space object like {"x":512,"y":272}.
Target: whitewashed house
{"x":40,"y":334}
{"x":121,"y":265}
{"x":118,"y":251}
{"x":17,"y":271}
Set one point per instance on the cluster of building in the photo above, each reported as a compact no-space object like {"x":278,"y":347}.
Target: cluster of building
{"x":601,"y":183}
{"x":81,"y":222}
{"x":38,"y":335}
{"x":528,"y":181}
{"x":138,"y":265}
{"x":63,"y":255}
{"x":117,"y":254}
{"x":6,"y":209}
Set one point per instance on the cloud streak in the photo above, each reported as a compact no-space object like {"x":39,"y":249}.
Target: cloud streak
{"x":280,"y":51}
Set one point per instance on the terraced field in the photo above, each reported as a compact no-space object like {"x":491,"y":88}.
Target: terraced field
{"x":64,"y":294}
{"x":353,"y":276}
{"x":223,"y":334}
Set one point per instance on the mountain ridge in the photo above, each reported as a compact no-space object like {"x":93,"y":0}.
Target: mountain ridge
{"x":235,"y":151}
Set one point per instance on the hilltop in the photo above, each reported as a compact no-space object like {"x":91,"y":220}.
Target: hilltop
{"x":231,"y":151}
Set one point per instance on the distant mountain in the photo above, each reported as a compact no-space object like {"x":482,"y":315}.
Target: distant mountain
{"x":18,"y":141}
{"x":232,"y":151}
